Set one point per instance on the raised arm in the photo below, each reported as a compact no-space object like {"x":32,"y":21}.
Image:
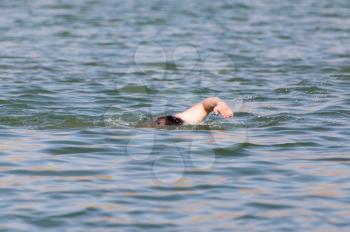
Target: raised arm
{"x":198,"y":112}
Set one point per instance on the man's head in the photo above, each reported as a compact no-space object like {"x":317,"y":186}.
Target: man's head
{"x":168,"y":121}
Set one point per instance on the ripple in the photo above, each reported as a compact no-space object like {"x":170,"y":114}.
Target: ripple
{"x":137,"y":89}
{"x":54,"y":173}
{"x":48,"y":121}
{"x":268,"y":206}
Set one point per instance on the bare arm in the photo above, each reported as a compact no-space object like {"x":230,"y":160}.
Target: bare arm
{"x":198,"y":112}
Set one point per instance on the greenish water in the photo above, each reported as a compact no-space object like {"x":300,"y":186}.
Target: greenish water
{"x":77,"y":77}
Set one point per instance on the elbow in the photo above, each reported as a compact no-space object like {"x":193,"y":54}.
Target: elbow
{"x":210,"y":103}
{"x":212,"y":100}
{"x":216,"y":99}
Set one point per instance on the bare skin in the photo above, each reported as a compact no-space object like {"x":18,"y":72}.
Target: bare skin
{"x":198,"y":112}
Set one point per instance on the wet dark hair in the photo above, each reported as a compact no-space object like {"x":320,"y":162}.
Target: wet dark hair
{"x":168,"y":121}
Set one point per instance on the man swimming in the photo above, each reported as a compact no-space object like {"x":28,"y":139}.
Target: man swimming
{"x":196,"y":114}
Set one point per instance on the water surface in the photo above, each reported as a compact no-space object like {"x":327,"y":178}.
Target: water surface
{"x":77,"y":77}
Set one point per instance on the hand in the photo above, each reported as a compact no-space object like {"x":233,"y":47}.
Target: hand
{"x":224,"y":110}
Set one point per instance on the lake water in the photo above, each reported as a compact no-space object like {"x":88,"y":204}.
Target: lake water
{"x":78,"y":77}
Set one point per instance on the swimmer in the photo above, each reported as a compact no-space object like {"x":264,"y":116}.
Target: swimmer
{"x":196,"y":114}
